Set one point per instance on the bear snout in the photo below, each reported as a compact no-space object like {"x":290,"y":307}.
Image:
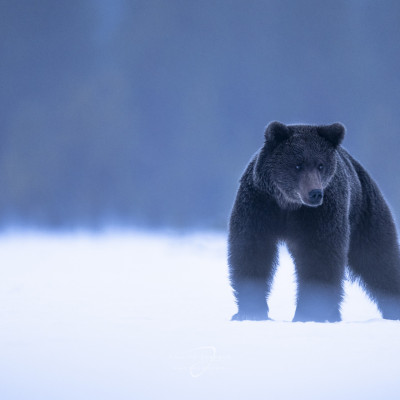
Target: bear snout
{"x":315,"y":197}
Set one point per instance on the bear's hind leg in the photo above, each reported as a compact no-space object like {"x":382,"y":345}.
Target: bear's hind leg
{"x":374,"y":257}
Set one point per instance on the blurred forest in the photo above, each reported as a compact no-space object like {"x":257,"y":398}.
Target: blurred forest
{"x":145,"y":113}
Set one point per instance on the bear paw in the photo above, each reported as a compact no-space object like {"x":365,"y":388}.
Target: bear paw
{"x":250,"y":316}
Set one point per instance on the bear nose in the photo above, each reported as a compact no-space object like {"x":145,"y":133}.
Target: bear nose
{"x":315,"y":196}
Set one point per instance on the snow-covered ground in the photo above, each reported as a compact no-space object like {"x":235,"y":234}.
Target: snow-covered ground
{"x":139,"y":316}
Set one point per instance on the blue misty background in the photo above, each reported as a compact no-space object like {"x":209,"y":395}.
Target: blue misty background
{"x":144,"y":113}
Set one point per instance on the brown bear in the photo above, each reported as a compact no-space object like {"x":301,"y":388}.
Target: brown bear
{"x":304,"y":189}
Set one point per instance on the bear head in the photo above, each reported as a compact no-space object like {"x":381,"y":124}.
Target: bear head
{"x":297,"y":162}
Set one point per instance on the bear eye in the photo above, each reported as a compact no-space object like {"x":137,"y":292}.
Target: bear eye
{"x":321,"y":167}
{"x":298,"y":167}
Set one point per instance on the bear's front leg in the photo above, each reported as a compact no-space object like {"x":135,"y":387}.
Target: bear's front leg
{"x":319,"y":284}
{"x":251,"y":299}
{"x":251,"y":265}
{"x":252,"y":251}
{"x":318,"y":301}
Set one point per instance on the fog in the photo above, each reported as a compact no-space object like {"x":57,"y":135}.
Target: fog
{"x":144,"y":113}
{"x":124,"y":128}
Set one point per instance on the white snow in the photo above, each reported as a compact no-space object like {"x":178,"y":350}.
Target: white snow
{"x":147,"y":316}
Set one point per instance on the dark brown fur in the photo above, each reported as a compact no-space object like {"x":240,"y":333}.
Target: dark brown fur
{"x":304,"y":189}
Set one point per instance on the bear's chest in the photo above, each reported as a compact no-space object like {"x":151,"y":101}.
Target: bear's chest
{"x":301,"y":223}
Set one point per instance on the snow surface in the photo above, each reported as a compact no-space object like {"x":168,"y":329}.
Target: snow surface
{"x":147,"y":316}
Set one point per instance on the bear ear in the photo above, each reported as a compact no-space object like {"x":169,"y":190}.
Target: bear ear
{"x":276,"y":132}
{"x":333,"y":133}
